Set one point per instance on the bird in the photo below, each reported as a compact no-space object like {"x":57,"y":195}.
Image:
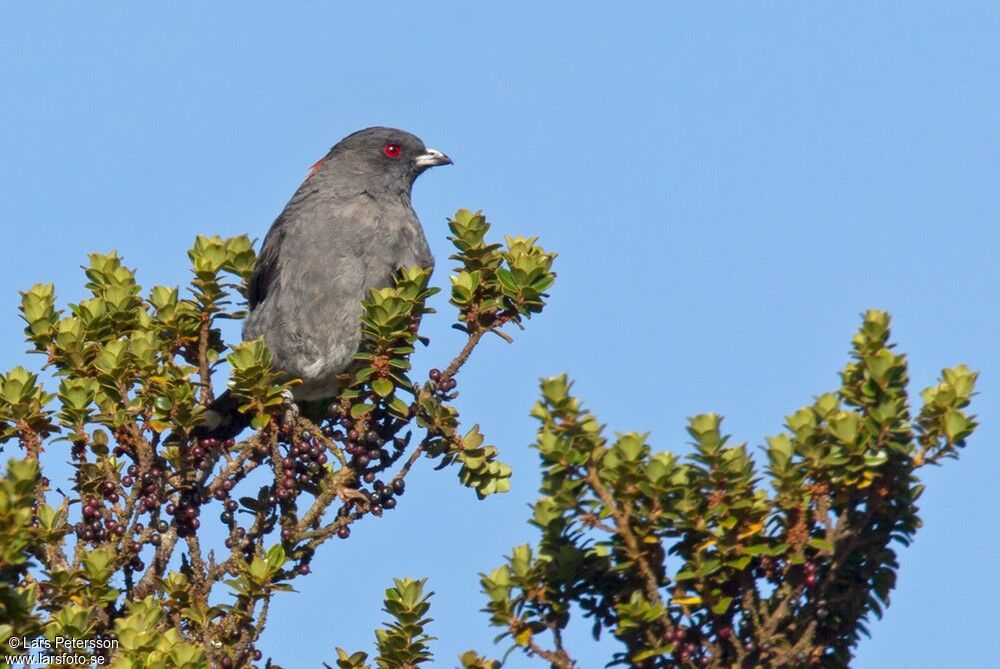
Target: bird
{"x":347,"y":230}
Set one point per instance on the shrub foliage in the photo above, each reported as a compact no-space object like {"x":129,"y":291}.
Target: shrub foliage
{"x":707,"y":560}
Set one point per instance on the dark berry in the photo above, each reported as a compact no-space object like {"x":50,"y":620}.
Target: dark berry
{"x":434,"y":375}
{"x":398,"y":486}
{"x":343,"y":531}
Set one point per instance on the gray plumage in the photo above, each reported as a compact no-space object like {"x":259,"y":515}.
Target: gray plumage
{"x":346,"y":230}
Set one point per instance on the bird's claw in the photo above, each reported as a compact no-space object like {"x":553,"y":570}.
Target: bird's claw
{"x":291,"y":416}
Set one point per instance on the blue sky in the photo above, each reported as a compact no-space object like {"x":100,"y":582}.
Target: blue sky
{"x":728,"y":186}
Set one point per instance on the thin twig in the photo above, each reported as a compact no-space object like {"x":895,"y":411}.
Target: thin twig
{"x":204,"y":372}
{"x":464,"y":354}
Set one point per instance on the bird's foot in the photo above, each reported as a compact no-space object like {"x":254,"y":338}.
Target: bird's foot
{"x":291,"y":417}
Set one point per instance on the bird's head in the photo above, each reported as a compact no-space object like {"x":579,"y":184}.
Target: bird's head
{"x":382,"y":155}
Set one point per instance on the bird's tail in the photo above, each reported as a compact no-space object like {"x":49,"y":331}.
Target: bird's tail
{"x":222,"y":419}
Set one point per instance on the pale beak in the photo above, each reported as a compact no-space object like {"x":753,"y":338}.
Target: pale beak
{"x":432,"y":157}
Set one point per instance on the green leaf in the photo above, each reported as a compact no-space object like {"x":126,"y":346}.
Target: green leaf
{"x":821,"y":544}
{"x":722,"y":605}
{"x":383,"y":387}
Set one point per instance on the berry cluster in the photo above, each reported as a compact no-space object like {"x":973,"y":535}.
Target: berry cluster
{"x":383,"y":496}
{"x":374,"y":447}
{"x":373,"y":443}
{"x":684,"y":643}
{"x":444,"y":386}
{"x":152,"y":486}
{"x":226,"y":662}
{"x":230,"y":506}
{"x":368,"y":448}
{"x":237,"y":538}
{"x":201,"y":452}
{"x":97,"y":524}
{"x":303,"y":463}
{"x":809,"y":571}
{"x":186,"y":512}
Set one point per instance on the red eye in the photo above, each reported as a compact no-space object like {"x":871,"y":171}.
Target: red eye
{"x":391,"y":150}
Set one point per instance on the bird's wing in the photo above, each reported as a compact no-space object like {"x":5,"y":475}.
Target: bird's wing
{"x":266,"y":270}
